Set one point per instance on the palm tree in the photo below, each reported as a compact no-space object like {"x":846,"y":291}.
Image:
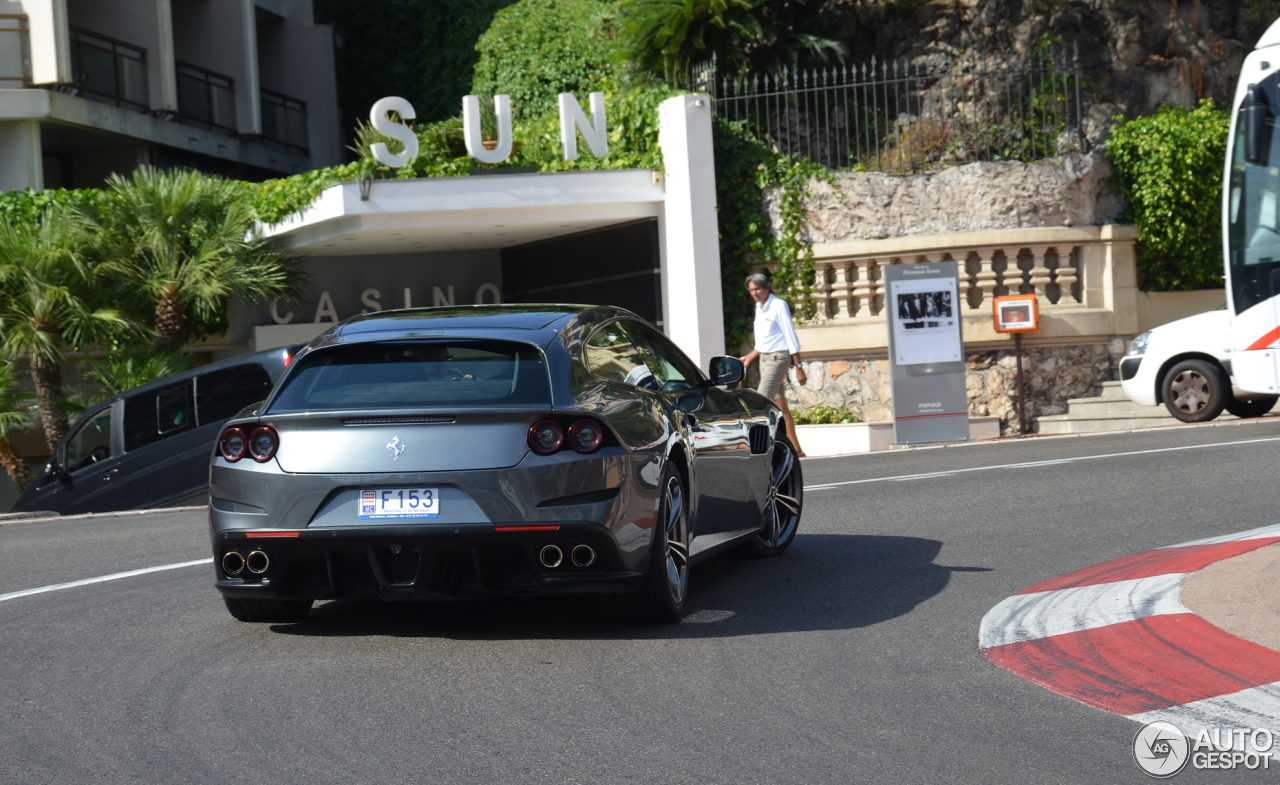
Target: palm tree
{"x":44,"y":289}
{"x":14,"y":405}
{"x":669,"y":36}
{"x":184,"y":243}
{"x":132,"y":367}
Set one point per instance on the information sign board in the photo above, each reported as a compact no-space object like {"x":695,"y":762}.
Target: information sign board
{"x":926,"y":353}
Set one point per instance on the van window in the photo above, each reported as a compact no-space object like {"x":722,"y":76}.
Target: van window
{"x":220,"y":395}
{"x":150,"y":417}
{"x":173,"y":410}
{"x":1253,"y":233}
{"x":91,"y":443}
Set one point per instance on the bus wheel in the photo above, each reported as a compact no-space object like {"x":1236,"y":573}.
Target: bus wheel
{"x":1255,"y":408}
{"x":1195,"y":390}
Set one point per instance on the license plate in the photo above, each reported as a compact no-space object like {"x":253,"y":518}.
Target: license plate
{"x":399,"y":503}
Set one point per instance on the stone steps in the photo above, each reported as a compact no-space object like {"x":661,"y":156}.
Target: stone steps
{"x":1110,"y":411}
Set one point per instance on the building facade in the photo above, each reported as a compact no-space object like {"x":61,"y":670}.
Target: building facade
{"x":242,"y":88}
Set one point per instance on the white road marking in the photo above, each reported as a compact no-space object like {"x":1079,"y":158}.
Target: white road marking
{"x":1025,"y":617}
{"x":1033,"y":464}
{"x":117,"y":576}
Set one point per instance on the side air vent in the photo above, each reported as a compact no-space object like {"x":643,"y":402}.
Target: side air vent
{"x":357,"y":422}
{"x":759,"y":438}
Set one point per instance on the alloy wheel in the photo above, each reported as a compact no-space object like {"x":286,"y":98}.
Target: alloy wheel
{"x":782,"y":507}
{"x":677,"y":540}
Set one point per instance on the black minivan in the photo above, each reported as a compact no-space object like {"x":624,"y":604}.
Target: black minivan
{"x":150,"y":446}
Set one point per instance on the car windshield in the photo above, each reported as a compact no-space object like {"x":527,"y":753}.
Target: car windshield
{"x":393,"y":375}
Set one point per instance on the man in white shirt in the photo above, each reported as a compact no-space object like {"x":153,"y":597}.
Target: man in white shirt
{"x":777,"y":347}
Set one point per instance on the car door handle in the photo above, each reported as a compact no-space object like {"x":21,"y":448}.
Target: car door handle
{"x":109,"y":476}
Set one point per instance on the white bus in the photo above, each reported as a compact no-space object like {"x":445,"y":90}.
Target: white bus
{"x":1230,"y":358}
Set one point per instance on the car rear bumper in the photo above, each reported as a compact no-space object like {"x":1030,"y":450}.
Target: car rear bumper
{"x":416,"y":562}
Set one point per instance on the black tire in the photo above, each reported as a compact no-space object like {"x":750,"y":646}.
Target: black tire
{"x":1255,"y":408}
{"x":663,"y":597}
{"x":1195,"y":390}
{"x":267,"y":610}
{"x":784,"y":505}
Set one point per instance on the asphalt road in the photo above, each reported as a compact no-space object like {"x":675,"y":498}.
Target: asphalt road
{"x":852,"y":658}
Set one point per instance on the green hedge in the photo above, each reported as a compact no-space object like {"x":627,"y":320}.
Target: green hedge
{"x":1169,"y":167}
{"x":536,"y":49}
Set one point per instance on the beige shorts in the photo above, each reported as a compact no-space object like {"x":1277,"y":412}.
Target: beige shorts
{"x":773,"y":374}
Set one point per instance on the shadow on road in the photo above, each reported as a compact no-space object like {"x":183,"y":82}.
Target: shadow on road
{"x":824,"y":582}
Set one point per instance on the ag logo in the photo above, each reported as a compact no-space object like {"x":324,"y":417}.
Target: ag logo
{"x":1161,"y":749}
{"x":395,"y":447}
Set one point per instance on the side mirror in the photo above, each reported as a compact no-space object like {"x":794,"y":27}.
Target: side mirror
{"x":726,"y":370}
{"x":56,"y":470}
{"x":1257,"y":136}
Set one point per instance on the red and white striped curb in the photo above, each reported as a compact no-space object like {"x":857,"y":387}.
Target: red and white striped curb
{"x":1115,"y":636}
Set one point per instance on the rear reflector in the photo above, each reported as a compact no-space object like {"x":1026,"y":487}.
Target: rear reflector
{"x":525,"y":528}
{"x":272,"y":534}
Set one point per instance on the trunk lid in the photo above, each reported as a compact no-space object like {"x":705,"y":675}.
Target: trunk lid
{"x":366,"y":443}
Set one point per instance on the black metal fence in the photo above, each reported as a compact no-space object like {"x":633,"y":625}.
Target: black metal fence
{"x":901,"y":115}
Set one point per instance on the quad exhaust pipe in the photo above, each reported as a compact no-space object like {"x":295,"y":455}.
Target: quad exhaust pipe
{"x":550,"y":556}
{"x":257,"y":562}
{"x":234,"y":563}
{"x":581,"y":556}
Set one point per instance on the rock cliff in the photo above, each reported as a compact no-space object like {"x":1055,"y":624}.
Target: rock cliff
{"x":1065,"y":191}
{"x":1138,"y":54}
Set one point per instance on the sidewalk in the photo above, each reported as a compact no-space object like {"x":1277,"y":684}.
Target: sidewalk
{"x":1185,"y":633}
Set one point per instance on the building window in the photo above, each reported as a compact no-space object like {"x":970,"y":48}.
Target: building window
{"x":284,"y":120}
{"x":108,"y":70}
{"x":206,"y":98}
{"x":15,"y":52}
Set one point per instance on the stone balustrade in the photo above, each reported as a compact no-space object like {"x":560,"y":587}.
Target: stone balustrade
{"x":1084,"y":278}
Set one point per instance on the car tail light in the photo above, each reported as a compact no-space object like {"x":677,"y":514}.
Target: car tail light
{"x":263,"y":443}
{"x":233,"y":444}
{"x":586,"y":436}
{"x":288,"y":358}
{"x":545,"y":437}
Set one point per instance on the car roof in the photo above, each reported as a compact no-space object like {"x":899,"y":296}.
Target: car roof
{"x":465,"y":317}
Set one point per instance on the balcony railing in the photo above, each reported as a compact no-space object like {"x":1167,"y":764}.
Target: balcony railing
{"x":15,"y":52}
{"x":284,"y":121}
{"x":108,"y":70}
{"x":206,"y":99}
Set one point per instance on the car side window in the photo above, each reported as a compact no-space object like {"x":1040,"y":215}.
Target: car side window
{"x":672,"y":369}
{"x":612,"y":354}
{"x":91,"y":443}
{"x":220,"y":395}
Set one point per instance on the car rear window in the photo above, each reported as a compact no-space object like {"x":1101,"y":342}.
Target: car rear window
{"x":393,"y":375}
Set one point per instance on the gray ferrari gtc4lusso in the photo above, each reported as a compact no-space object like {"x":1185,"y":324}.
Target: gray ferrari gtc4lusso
{"x":450,"y":453}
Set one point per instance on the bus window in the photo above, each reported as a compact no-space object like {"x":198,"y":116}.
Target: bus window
{"x":1253,"y":213}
